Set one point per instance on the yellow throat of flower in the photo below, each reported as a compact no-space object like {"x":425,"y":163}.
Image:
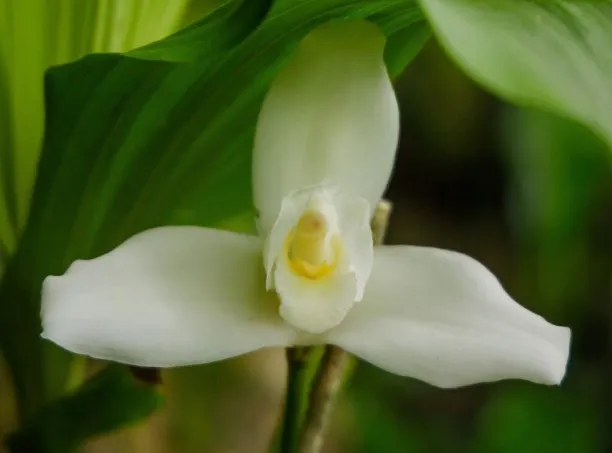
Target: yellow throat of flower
{"x":311,"y":248}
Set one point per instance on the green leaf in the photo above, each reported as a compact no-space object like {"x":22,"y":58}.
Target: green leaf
{"x":110,"y":400}
{"x":160,"y":135}
{"x":553,"y":55}
{"x":171,"y":135}
{"x":36,"y":34}
{"x":403,"y":45}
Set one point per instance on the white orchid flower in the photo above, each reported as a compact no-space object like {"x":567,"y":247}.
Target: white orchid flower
{"x":324,"y":151}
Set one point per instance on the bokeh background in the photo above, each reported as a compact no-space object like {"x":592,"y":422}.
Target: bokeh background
{"x":526,"y":193}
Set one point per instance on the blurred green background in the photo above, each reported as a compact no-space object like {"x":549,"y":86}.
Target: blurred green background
{"x":527,"y":194}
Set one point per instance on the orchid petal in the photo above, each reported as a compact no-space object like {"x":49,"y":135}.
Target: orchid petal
{"x":443,"y":318}
{"x":166,"y":297}
{"x":330,"y":116}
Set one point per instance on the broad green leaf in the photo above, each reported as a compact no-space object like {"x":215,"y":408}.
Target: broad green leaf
{"x":553,"y":55}
{"x":110,"y":400}
{"x":160,"y":135}
{"x":36,"y":34}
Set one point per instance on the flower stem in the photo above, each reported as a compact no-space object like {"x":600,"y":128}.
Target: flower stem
{"x":298,"y":381}
{"x":333,"y":366}
{"x":322,"y":398}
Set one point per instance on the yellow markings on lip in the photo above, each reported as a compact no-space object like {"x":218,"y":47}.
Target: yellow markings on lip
{"x":309,"y":250}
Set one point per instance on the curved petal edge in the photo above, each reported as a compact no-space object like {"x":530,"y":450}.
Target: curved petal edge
{"x":443,"y":318}
{"x":169,"y":296}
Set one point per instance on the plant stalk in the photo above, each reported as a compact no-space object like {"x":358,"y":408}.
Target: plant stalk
{"x":296,"y":398}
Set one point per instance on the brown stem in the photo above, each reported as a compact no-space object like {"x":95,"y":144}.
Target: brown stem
{"x":331,"y":371}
